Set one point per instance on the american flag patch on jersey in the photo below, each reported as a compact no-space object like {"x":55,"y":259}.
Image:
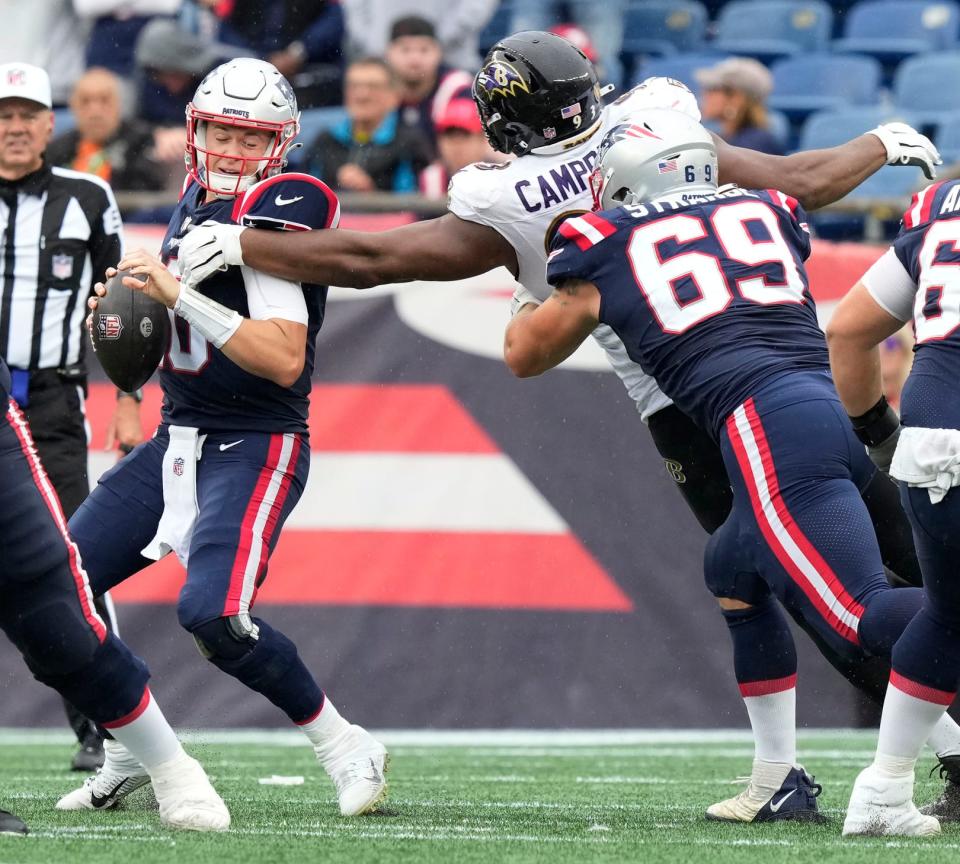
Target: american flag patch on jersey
{"x":666,"y":166}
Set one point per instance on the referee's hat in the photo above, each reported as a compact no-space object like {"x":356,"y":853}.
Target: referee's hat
{"x":24,"y":81}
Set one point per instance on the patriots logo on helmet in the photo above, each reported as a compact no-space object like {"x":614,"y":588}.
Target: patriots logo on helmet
{"x":624,"y":130}
{"x":499,"y":78}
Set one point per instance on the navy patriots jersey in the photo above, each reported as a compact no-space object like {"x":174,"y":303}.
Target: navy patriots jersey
{"x":928,"y":246}
{"x":708,"y":295}
{"x":201,"y":386}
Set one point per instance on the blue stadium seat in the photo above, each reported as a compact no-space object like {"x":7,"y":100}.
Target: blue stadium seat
{"x":816,"y":82}
{"x":779,"y":124}
{"x":891,"y":30}
{"x":830,"y":128}
{"x":63,"y":121}
{"x":927,"y":86}
{"x":767,"y":29}
{"x":313,"y":121}
{"x":948,"y":138}
{"x":679,"y":66}
{"x":664,"y":27}
{"x":497,"y":27}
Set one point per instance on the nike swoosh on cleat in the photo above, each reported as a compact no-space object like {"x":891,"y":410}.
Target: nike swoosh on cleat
{"x":375,"y":775}
{"x":99,"y":801}
{"x":280,"y":201}
{"x":774,"y":807}
{"x":228,"y":446}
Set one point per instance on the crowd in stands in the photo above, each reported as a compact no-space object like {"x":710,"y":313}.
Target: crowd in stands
{"x":384,"y":85}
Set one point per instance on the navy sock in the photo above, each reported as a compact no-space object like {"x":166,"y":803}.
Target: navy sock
{"x":886,"y":617}
{"x":274,"y":668}
{"x":763,"y":647}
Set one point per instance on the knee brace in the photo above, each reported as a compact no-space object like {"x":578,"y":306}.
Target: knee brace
{"x":230,"y":638}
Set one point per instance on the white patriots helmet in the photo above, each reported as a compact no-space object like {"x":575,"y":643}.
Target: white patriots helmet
{"x":650,"y":154}
{"x":246,"y":93}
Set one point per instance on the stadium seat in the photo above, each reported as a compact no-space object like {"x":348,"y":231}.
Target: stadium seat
{"x":63,"y":121}
{"x":926,"y":86}
{"x":948,"y":138}
{"x":891,"y":30}
{"x":313,"y":121}
{"x":679,"y":66}
{"x":816,"y":82}
{"x":767,"y":29}
{"x":779,"y":124}
{"x":664,"y":27}
{"x":830,"y":128}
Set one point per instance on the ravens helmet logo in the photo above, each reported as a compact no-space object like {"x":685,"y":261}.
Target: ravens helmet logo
{"x":500,"y":78}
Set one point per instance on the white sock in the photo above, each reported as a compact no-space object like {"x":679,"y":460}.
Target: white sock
{"x":146,"y":733}
{"x":905,"y":725}
{"x":773,"y":718}
{"x":328,"y":724}
{"x":945,"y":738}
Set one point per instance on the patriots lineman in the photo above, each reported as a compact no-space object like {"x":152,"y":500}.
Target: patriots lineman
{"x":540,"y":99}
{"x":917,"y":279}
{"x":230,"y":459}
{"x":706,"y":289}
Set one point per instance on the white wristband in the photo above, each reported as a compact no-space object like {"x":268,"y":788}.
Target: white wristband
{"x":215,"y":322}
{"x":522,"y":297}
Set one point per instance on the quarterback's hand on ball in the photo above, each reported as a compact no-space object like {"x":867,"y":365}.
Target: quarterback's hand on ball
{"x":207,"y":248}
{"x":906,"y":146}
{"x":155,"y":280}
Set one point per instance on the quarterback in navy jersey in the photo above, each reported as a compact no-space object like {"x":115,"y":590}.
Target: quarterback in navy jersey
{"x":230,"y":459}
{"x":707,"y":290}
{"x":917,"y":280}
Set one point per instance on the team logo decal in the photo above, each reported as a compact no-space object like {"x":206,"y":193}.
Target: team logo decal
{"x":146,"y":327}
{"x":178,"y":464}
{"x":62,"y":266}
{"x":501,"y":79}
{"x":109,"y":326}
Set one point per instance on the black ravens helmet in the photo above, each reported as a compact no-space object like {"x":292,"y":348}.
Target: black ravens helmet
{"x":536,"y":89}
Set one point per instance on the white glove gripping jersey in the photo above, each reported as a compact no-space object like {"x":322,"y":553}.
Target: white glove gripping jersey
{"x":526,"y":199}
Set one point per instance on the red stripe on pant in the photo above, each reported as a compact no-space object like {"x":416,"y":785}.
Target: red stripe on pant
{"x":247,"y":526}
{"x":766,"y":688}
{"x":921,"y":691}
{"x":142,"y":706}
{"x":833,"y":584}
{"x":49,"y":495}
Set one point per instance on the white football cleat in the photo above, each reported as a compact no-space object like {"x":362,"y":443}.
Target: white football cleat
{"x":776,"y":792}
{"x":120,"y":775}
{"x":357,"y":763}
{"x":187,"y":799}
{"x":882,"y":806}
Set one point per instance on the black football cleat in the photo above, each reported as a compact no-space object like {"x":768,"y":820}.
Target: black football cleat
{"x":10,"y":824}
{"x":90,"y":755}
{"x":947,"y":807}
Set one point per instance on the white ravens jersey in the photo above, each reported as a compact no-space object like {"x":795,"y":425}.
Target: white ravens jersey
{"x":526,"y":199}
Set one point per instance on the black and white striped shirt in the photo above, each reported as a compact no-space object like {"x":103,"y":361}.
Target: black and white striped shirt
{"x":61,"y":230}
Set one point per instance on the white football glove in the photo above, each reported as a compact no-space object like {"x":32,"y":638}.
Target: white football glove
{"x":207,"y":248}
{"x":906,"y":146}
{"x":521,"y":297}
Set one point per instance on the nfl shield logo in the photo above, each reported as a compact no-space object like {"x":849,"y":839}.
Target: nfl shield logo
{"x":109,"y":326}
{"x":62,"y":266}
{"x":178,"y":466}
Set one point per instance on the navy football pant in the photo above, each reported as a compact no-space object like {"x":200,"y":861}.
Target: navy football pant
{"x":926,"y":659}
{"x":47,"y":610}
{"x":247,"y":485}
{"x":799,"y":528}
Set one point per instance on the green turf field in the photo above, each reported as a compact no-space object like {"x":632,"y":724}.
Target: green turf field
{"x":485,"y":798}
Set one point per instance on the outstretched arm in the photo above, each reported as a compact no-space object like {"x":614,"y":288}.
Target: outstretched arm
{"x":442,"y":249}
{"x":819,"y":177}
{"x":541,"y":337}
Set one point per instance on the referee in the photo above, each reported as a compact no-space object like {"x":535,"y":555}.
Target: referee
{"x":61,"y":230}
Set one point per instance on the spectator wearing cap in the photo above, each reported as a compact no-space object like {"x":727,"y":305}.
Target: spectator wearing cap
{"x":735,"y":95}
{"x":370,"y":150}
{"x":103,"y":143}
{"x":457,"y":24}
{"x":426,"y":86}
{"x":460,"y":142}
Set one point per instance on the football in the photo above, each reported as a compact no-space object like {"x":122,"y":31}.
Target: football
{"x":130,"y":333}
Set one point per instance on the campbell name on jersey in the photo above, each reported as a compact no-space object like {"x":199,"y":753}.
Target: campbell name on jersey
{"x":708,"y":295}
{"x":928,"y":247}
{"x":202,"y":387}
{"x":526,"y":199}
